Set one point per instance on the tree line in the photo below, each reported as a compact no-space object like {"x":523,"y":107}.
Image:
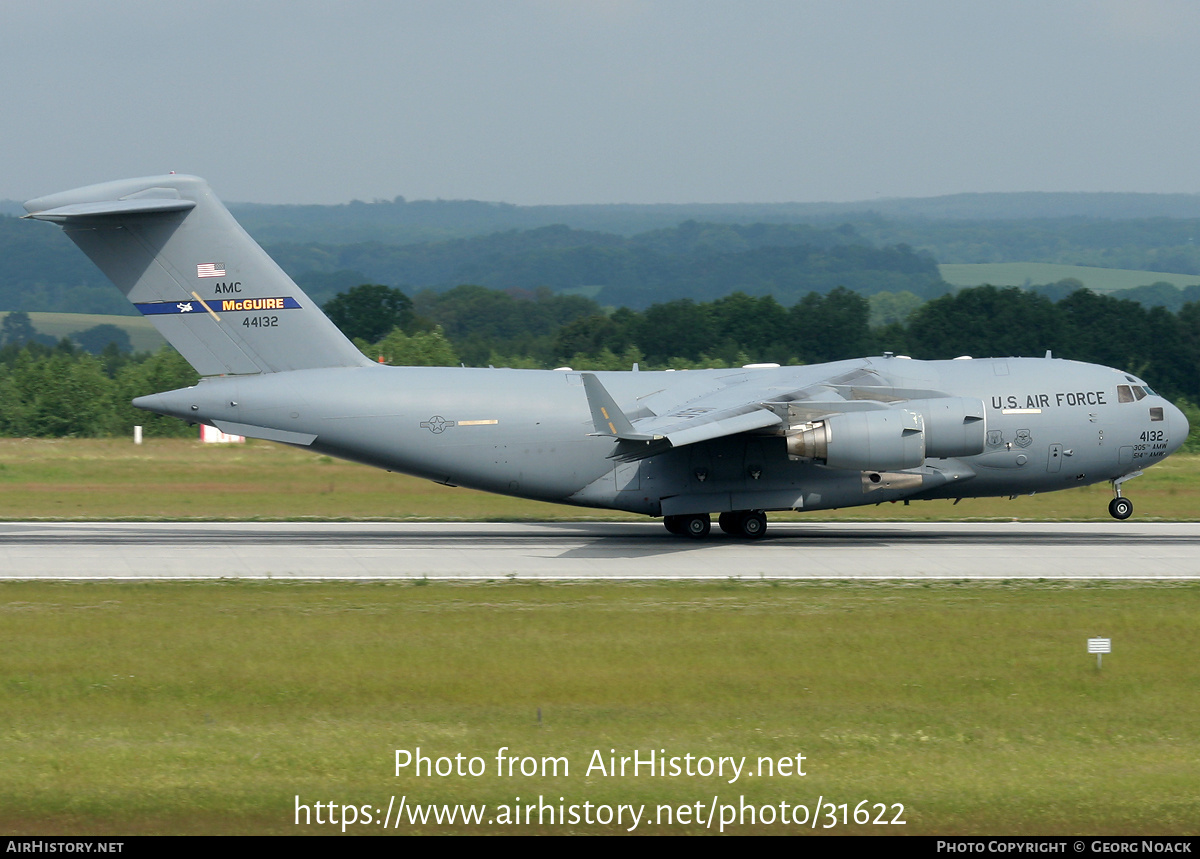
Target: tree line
{"x":63,"y":390}
{"x":483,"y":326}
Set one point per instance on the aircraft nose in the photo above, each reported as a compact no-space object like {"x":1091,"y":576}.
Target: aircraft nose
{"x":1177,"y":427}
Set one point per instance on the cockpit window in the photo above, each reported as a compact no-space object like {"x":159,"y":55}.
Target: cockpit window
{"x":1138,"y":388}
{"x":1124,"y":394}
{"x":1156,"y":414}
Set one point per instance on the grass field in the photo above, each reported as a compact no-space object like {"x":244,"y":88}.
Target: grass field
{"x":208,"y":708}
{"x":173,"y":707}
{"x":1020,"y":273}
{"x":184,"y":479}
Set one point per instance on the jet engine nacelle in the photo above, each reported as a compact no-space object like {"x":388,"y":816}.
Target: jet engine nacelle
{"x":877,"y":440}
{"x":954,"y":426}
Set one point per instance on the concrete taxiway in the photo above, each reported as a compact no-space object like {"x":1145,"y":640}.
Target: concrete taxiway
{"x":474,"y":551}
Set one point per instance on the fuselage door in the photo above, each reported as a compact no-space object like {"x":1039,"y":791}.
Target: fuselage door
{"x":1054,"y":462}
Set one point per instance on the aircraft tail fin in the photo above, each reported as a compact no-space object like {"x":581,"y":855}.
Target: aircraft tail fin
{"x":179,"y":256}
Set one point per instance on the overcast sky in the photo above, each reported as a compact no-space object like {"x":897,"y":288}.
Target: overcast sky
{"x":601,"y":101}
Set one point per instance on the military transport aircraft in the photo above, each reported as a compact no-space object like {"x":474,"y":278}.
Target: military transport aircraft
{"x":681,"y":445}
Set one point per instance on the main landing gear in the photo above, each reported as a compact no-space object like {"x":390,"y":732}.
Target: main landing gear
{"x":749,"y":524}
{"x":696,"y":525}
{"x":1121,"y":507}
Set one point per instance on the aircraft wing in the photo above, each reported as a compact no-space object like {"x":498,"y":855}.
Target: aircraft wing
{"x":718,"y":413}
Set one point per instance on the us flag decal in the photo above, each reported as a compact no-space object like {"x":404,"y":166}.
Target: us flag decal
{"x":210,"y":269}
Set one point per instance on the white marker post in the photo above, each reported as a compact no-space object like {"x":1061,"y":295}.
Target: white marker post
{"x":137,"y":435}
{"x":1099,"y":646}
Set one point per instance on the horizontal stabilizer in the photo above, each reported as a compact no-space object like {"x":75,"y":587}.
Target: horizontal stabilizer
{"x":84,"y":211}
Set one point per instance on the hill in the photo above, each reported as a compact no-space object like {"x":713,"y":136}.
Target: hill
{"x":636,"y":255}
{"x":401,"y":221}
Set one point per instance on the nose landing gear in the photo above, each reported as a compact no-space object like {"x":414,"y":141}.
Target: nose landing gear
{"x":1120,"y":507}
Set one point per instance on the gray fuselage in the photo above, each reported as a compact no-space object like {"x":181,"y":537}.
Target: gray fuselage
{"x":1050,"y":424}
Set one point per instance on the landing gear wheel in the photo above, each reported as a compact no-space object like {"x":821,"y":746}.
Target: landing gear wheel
{"x":696,"y":526}
{"x":674,"y":524}
{"x":753,"y":524}
{"x":1120,"y":508}
{"x":731,"y":523}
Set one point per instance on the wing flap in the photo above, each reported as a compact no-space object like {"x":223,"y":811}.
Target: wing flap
{"x":682,"y":427}
{"x":689,"y":429}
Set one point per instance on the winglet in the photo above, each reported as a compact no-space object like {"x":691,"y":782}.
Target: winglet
{"x":606,"y":414}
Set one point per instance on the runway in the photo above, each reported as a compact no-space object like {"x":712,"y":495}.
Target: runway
{"x":555,"y":550}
